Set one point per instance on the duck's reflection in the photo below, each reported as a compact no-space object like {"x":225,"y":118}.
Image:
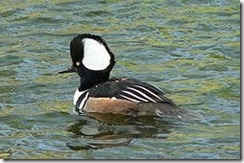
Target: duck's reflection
{"x":107,"y":130}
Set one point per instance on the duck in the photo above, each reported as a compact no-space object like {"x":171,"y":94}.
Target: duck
{"x":93,"y":61}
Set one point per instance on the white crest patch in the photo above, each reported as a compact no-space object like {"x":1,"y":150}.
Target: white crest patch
{"x":96,"y":57}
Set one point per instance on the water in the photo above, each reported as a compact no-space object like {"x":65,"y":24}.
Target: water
{"x":191,"y":49}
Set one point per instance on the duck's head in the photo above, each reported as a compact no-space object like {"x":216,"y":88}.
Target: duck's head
{"x":91,"y":59}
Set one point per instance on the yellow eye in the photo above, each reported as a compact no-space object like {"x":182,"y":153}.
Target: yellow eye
{"x":77,"y":63}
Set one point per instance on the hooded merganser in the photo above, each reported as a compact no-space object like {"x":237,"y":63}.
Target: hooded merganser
{"x":97,"y":93}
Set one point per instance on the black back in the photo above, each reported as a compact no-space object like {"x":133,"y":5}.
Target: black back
{"x":127,"y":89}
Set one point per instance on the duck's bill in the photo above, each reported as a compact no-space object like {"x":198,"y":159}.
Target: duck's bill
{"x":70,"y":70}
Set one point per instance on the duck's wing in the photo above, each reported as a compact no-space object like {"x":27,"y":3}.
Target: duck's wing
{"x":133,"y":97}
{"x":129,"y":89}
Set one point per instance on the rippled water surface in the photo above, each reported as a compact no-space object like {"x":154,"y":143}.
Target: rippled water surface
{"x":191,"y":49}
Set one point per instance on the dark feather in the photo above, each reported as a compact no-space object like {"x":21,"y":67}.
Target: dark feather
{"x":115,"y":87}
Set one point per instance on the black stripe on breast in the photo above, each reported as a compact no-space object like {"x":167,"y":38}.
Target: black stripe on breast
{"x":81,"y":102}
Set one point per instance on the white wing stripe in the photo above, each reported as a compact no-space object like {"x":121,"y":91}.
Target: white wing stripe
{"x":149,"y":91}
{"x":128,"y":98}
{"x":144,"y":95}
{"x":160,"y":90}
{"x":129,"y":93}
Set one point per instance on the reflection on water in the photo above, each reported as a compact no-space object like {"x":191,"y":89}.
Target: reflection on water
{"x":117,"y":130}
{"x":108,"y":130}
{"x":191,"y":49}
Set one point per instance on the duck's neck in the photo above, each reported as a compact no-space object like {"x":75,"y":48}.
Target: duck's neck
{"x":91,"y":80}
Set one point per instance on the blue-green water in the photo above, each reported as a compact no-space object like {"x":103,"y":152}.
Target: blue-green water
{"x":191,"y":49}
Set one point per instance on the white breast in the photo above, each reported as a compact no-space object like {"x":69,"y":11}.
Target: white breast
{"x":80,"y":99}
{"x":77,"y":95}
{"x":96,"y":57}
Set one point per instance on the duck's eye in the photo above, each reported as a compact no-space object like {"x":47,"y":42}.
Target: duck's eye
{"x":77,"y":63}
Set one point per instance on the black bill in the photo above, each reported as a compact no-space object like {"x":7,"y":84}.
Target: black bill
{"x":70,"y":70}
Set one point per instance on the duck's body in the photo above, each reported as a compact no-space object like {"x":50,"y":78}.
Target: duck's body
{"x":93,"y":61}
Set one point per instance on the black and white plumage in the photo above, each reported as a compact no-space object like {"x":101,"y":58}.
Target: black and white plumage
{"x":128,"y":89}
{"x":93,"y":61}
{"x":122,"y":88}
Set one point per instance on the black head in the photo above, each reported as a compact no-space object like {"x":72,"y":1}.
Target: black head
{"x":91,"y":59}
